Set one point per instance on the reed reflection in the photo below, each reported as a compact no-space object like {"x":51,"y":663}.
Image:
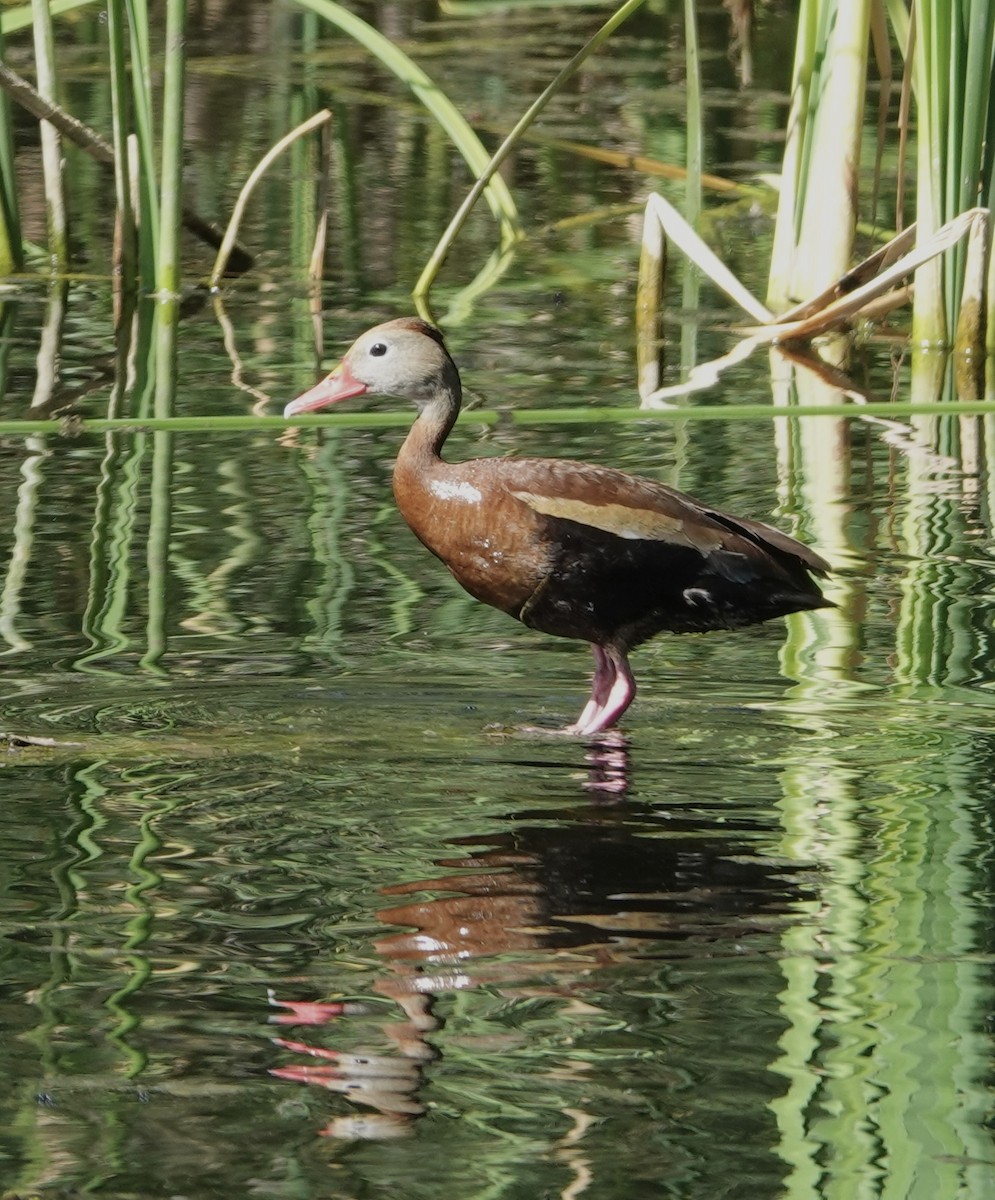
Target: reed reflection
{"x":542,"y":910}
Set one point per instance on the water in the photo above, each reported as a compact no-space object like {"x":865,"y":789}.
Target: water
{"x":267,"y":798}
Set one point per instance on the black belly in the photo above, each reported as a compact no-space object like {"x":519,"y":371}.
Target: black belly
{"x":621,"y":591}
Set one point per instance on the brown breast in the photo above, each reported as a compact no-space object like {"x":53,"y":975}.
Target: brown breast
{"x":467,"y":517}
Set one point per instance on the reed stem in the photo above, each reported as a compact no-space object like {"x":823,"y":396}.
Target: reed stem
{"x":11,"y":252}
{"x":126,"y":249}
{"x":146,"y":201}
{"x":51,"y":141}
{"x":171,"y":173}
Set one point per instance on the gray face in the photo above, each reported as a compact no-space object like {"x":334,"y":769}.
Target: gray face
{"x":397,"y":361}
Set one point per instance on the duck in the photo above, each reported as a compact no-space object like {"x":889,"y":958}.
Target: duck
{"x":568,"y":548}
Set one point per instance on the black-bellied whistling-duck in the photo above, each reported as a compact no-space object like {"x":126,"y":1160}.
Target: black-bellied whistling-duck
{"x":568,"y":548}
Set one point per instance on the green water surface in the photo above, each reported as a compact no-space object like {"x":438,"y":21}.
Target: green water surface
{"x":260,"y":751}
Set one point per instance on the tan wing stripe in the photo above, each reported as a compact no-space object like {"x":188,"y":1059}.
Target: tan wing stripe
{"x":619,"y":519}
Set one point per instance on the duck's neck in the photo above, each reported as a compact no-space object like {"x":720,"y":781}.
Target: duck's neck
{"x":419,"y":467}
{"x":436,"y":417}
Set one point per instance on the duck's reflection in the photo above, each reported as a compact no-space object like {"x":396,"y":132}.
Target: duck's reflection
{"x":608,"y":764}
{"x":534,"y":910}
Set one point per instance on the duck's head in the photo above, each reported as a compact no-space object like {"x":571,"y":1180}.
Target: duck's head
{"x":405,"y":358}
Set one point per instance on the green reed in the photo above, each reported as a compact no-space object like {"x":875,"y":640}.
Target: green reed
{"x":120,"y":125}
{"x":11,"y":252}
{"x":51,"y":141}
{"x":817,"y":207}
{"x":589,"y":415}
{"x":13,"y":20}
{"x":948,"y":50}
{"x":171,"y":171}
{"x":952,"y":80}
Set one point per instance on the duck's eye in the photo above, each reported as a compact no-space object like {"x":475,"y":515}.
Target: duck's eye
{"x":378,"y":349}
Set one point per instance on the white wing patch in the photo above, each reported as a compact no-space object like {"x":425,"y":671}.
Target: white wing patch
{"x":445,"y":489}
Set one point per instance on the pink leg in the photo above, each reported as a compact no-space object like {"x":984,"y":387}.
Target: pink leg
{"x":601,"y":684}
{"x":612,"y":691}
{"x":623,"y":692}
